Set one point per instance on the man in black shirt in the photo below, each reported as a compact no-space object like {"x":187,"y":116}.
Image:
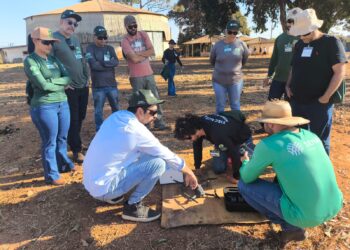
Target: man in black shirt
{"x":170,"y":56}
{"x":318,"y":68}
{"x":102,"y":61}
{"x":227,"y":131}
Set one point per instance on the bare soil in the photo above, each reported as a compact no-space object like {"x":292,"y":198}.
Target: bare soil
{"x":37,"y":216}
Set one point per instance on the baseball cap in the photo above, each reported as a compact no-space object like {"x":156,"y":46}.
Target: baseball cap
{"x":43,"y":33}
{"x":232,"y":25}
{"x":100,"y":31}
{"x":143,"y":97}
{"x":70,"y":13}
{"x":129,"y":20}
{"x":172,"y":41}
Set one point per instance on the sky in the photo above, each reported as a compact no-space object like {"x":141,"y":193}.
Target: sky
{"x":14,"y":11}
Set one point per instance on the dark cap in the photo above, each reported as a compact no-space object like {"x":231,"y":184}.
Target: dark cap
{"x":70,"y":13}
{"x":100,"y":31}
{"x":129,"y":20}
{"x":232,"y":25}
{"x":143,"y":97}
{"x":172,"y":41}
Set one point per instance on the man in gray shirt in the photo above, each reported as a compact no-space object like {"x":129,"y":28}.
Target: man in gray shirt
{"x":228,"y":56}
{"x":102,"y":61}
{"x":70,"y":53}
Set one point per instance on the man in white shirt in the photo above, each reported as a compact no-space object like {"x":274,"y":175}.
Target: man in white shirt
{"x":124,"y":155}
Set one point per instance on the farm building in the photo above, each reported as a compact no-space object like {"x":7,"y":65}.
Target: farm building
{"x":111,"y":16}
{"x":13,"y":54}
{"x":258,"y":45}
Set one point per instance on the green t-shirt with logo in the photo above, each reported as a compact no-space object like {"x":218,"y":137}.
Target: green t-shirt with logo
{"x":310,"y":194}
{"x":47,"y":78}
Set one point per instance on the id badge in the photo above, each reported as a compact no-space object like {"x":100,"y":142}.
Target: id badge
{"x":237,"y":51}
{"x":215,"y":153}
{"x":288,"y":47}
{"x":78,"y":54}
{"x":227,"y":49}
{"x":307,"y":51}
{"x":50,"y":65}
{"x":106,"y":58}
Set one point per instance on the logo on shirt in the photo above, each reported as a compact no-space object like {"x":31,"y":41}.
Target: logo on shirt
{"x":138,"y":45}
{"x":295,"y":148}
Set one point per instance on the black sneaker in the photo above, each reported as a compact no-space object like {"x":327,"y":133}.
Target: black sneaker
{"x":138,"y":212}
{"x":298,"y":235}
{"x":115,"y":200}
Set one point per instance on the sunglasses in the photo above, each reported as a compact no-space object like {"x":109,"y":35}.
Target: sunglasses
{"x":230,"y":32}
{"x":152,"y":112}
{"x":130,"y":27}
{"x":290,"y":21}
{"x":306,"y":34}
{"x":72,"y":23}
{"x":47,"y":43}
{"x":102,"y":38}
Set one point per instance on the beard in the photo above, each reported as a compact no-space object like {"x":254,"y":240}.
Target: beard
{"x":131,"y":32}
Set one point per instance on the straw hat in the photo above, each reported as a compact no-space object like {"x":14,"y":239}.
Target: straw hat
{"x":292,"y":12}
{"x":280,"y":112}
{"x":305,"y":22}
{"x":43,"y":33}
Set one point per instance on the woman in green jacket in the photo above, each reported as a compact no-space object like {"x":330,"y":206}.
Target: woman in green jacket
{"x":49,"y":109}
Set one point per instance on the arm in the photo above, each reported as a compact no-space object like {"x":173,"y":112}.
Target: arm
{"x":94,"y":64}
{"x":178,"y":60}
{"x":149,"y":46}
{"x":197,"y":152}
{"x":245,"y":53}
{"x":252,"y":169}
{"x":337,"y":78}
{"x":273,"y":60}
{"x":212,"y":57}
{"x":64,"y":80}
{"x":37,"y":79}
{"x":129,"y":52}
{"x":164,"y":56}
{"x":113,"y":62}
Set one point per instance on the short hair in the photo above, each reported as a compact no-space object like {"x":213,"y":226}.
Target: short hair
{"x":187,"y":126}
{"x":133,"y":109}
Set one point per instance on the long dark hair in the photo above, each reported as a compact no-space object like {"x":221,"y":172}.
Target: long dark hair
{"x":30,"y":44}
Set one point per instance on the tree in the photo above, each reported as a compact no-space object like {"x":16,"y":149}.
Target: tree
{"x":198,"y":17}
{"x":242,"y":21}
{"x":330,"y":11}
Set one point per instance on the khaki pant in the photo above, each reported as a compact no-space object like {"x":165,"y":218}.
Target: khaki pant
{"x":148,"y":82}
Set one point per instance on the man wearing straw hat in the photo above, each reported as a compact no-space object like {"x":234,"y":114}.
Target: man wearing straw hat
{"x":306,"y":194}
{"x":318,"y":68}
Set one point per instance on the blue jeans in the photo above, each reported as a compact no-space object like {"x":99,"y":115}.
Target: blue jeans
{"x":233,"y":91}
{"x":142,"y":174}
{"x":277,"y":90}
{"x":220,"y":163}
{"x":320,"y":116}
{"x":171,"y":84}
{"x":265,"y":197}
{"x":99,"y":95}
{"x":52,"y":121}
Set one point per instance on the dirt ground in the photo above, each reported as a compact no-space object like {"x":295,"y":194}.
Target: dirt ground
{"x":36,"y":216}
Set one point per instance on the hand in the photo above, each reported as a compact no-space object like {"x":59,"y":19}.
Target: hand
{"x":245,"y":157}
{"x":323,"y":99}
{"x":191,"y":180}
{"x":69,"y":87}
{"x":266,"y":82}
{"x":289,"y":92}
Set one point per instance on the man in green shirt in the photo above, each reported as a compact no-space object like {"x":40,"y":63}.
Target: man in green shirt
{"x":280,"y":60}
{"x":70,"y":53}
{"x":306,"y":194}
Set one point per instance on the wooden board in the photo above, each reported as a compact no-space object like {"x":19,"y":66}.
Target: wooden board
{"x":177,"y":210}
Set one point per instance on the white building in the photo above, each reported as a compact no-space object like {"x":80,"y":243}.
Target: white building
{"x":14,"y":54}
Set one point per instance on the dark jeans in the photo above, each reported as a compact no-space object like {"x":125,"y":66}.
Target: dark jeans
{"x":78,"y":100}
{"x":265,"y":197}
{"x":52,"y":122}
{"x":100,"y":95}
{"x":277,"y":90}
{"x":320,"y":116}
{"x":171,"y":83}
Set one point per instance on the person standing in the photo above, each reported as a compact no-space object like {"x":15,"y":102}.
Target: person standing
{"x":318,"y":68}
{"x":102,"y":60}
{"x":280,"y":60}
{"x":228,"y":56}
{"x":306,"y":193}
{"x":70,"y":53}
{"x":49,"y":110}
{"x":137,"y":48}
{"x":124,"y":155}
{"x":170,"y":56}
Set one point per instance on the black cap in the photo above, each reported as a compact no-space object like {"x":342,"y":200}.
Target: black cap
{"x":100,"y":31}
{"x":70,"y":13}
{"x":233,"y":25}
{"x":172,"y":41}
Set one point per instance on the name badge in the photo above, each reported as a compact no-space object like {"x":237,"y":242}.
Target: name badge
{"x":227,"y":49}
{"x":78,"y":54}
{"x":237,"y":51}
{"x":106,"y":57}
{"x":288,"y":47}
{"x":307,"y":51}
{"x":215,"y":153}
{"x":50,"y":65}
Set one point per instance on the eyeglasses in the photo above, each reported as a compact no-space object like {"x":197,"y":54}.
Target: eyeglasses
{"x":230,"y":32}
{"x":75,"y":24}
{"x":47,"y":43}
{"x":290,"y":21}
{"x":152,"y":112}
{"x":134,"y":26}
{"x":306,"y":34}
{"x":102,"y":38}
